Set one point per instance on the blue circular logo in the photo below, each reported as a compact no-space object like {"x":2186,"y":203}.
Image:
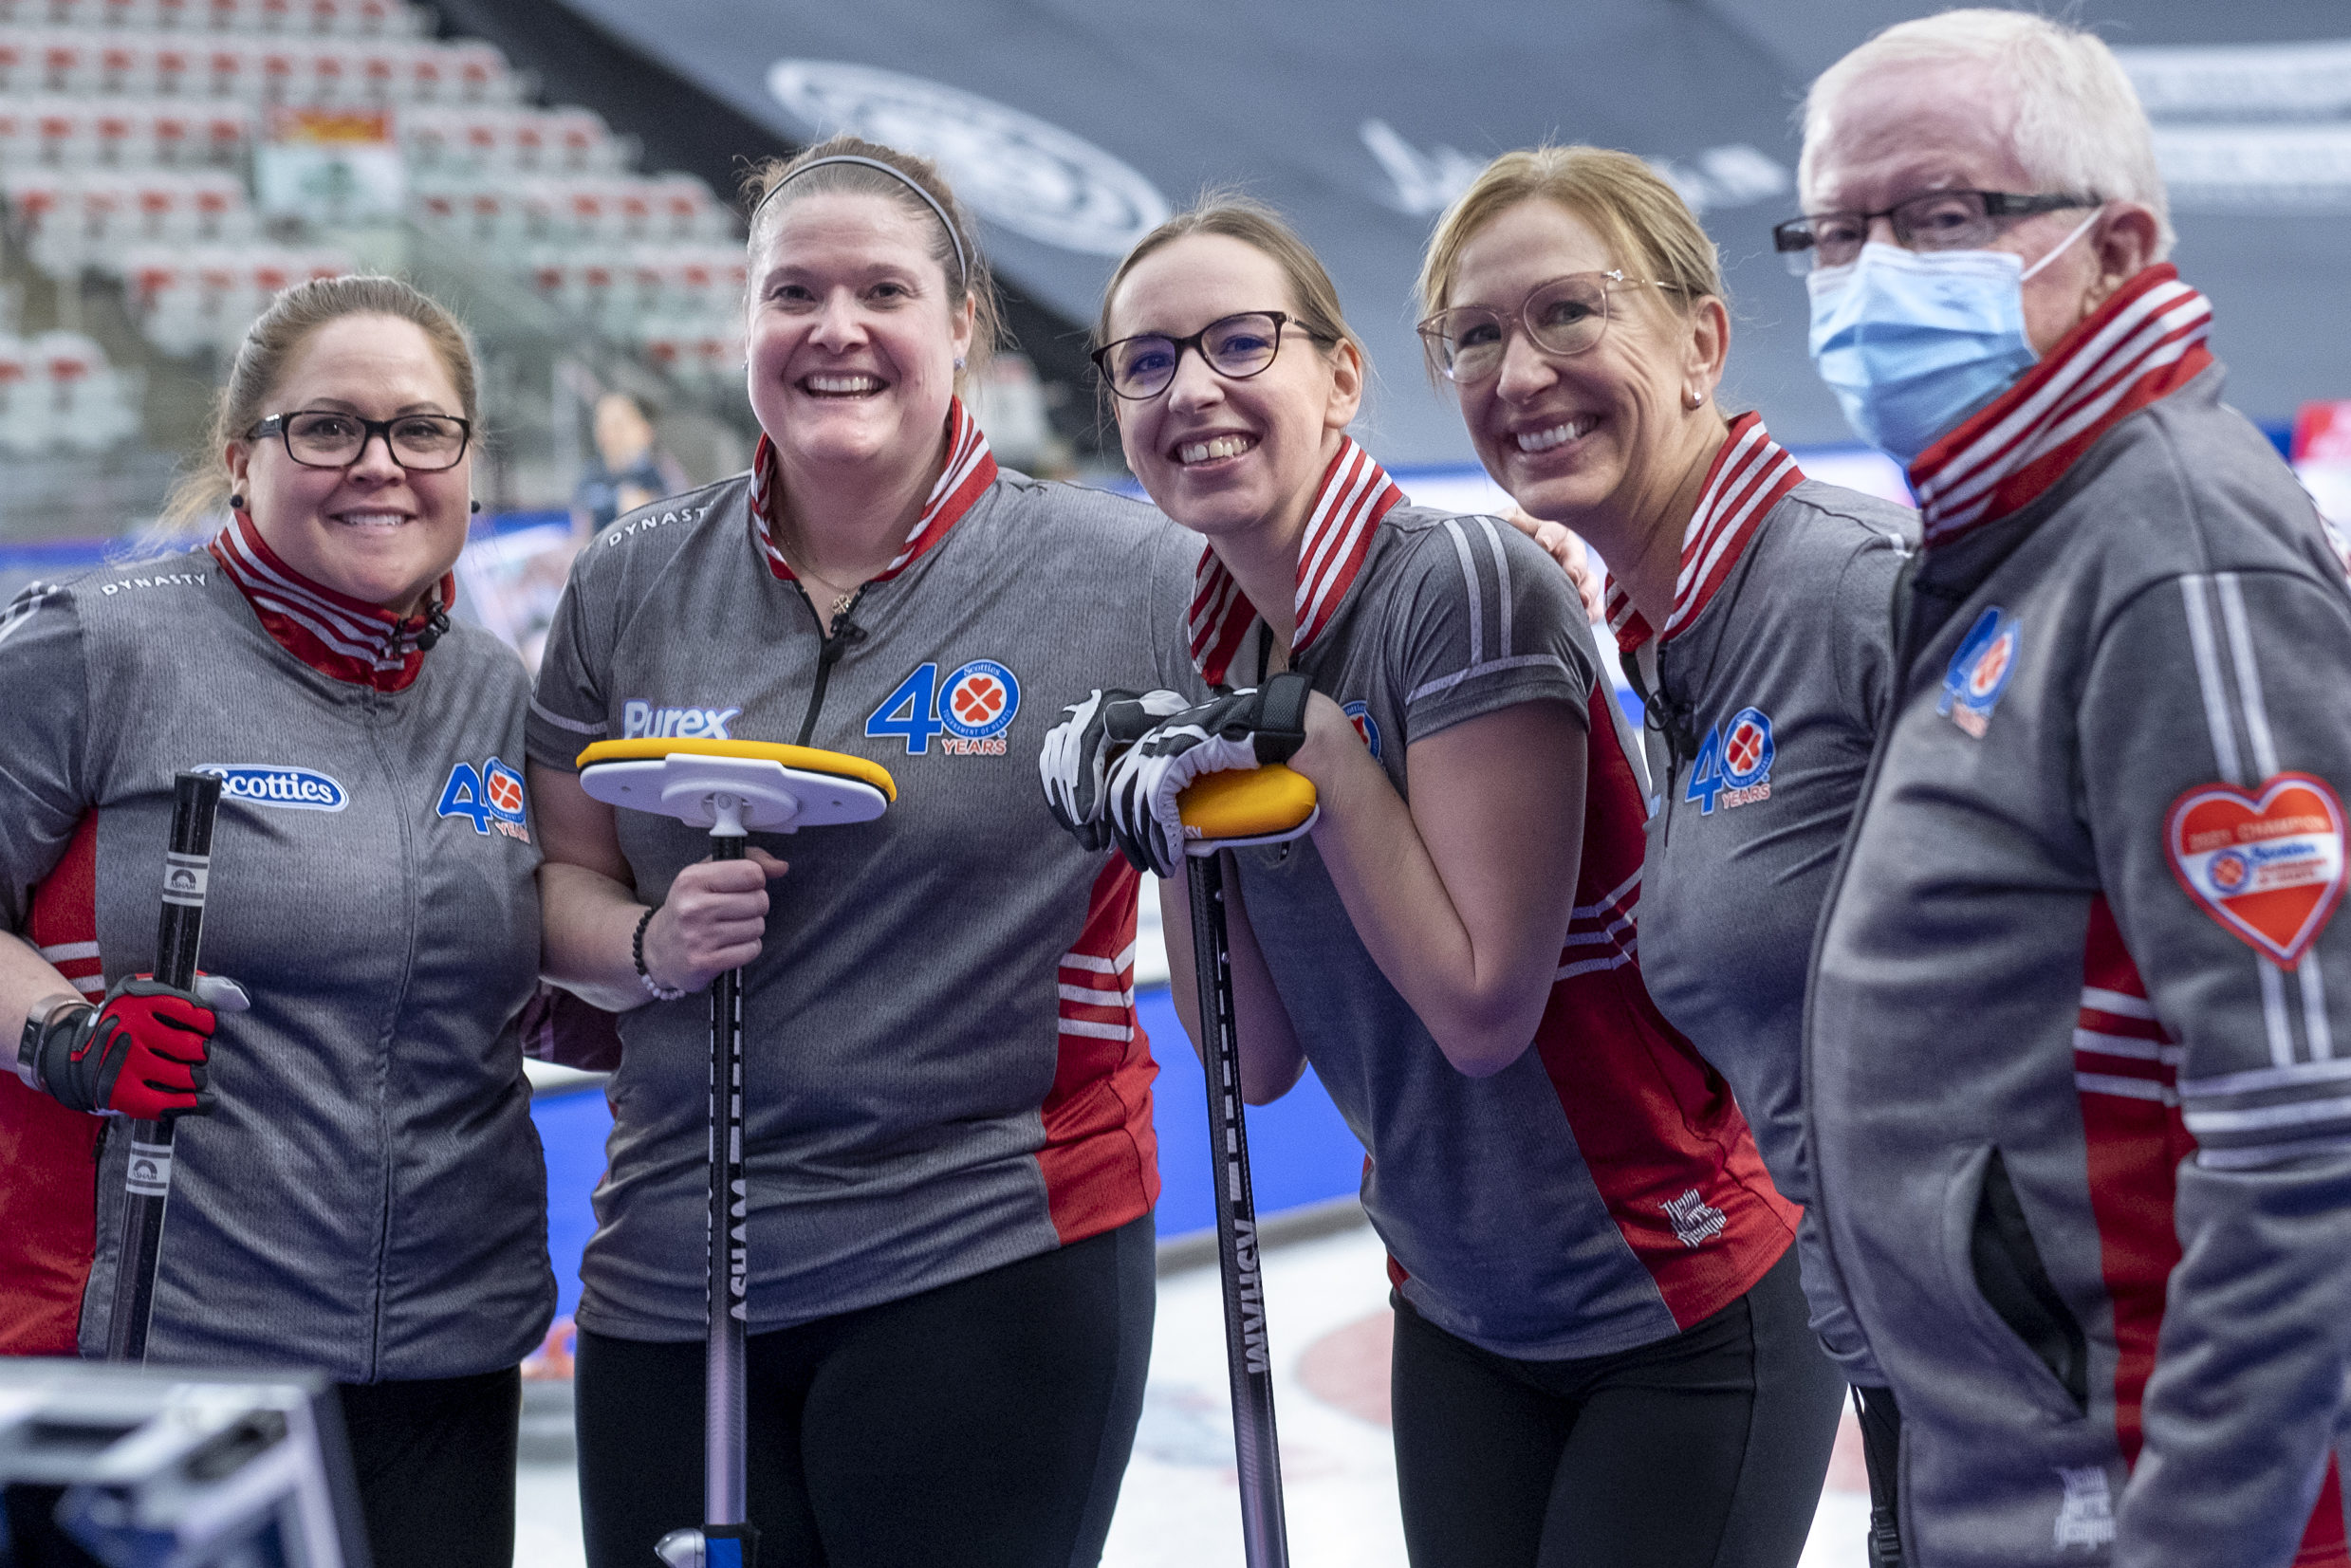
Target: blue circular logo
{"x":1747,"y":747}
{"x":1359,"y":714}
{"x":978,"y":700}
{"x":2229,"y":874}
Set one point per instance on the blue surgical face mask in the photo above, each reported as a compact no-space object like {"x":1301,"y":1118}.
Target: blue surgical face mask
{"x":1913,"y":343}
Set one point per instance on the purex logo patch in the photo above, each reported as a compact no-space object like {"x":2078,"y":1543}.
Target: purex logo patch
{"x":280,"y":785}
{"x":644,"y":719}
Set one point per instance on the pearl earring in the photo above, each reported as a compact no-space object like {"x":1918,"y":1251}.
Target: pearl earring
{"x":959,"y":361}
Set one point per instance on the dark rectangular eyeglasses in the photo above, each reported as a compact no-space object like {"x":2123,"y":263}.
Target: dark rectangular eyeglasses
{"x":1939,"y":220}
{"x":1236,"y":347}
{"x":328,"y":438}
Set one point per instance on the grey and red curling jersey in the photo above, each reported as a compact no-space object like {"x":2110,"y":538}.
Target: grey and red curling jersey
{"x":943,"y":1072}
{"x":1602,"y":1192}
{"x":2078,"y":1056}
{"x":367,"y":1199}
{"x":1770,"y":674}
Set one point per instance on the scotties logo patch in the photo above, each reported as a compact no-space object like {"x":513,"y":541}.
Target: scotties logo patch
{"x":1358,"y":714}
{"x":2267,"y":867}
{"x":278,"y":784}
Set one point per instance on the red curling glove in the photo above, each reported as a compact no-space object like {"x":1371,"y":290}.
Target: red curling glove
{"x":141,"y":1053}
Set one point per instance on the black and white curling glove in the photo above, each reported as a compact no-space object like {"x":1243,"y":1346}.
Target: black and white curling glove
{"x":1250,"y":727}
{"x":1078,"y":752}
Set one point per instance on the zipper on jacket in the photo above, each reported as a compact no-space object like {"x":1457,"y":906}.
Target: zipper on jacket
{"x":833,"y":642}
{"x":381,"y":710}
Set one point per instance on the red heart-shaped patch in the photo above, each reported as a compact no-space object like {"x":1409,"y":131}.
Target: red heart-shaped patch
{"x":2270,"y":869}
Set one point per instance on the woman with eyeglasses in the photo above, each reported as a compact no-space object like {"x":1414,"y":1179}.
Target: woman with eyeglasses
{"x":1576,"y":310}
{"x":357,"y":1188}
{"x":947,"y":1100}
{"x":1597,"y":1321}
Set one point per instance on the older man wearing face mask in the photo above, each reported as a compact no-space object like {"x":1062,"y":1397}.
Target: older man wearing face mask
{"x":2078,"y":1054}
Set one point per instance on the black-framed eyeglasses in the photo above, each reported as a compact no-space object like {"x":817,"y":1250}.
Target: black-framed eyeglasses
{"x":1939,"y":220}
{"x":1563,"y":317}
{"x":328,"y":438}
{"x":1236,"y":347}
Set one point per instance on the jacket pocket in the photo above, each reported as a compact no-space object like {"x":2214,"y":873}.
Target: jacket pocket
{"x":2016,"y":1285}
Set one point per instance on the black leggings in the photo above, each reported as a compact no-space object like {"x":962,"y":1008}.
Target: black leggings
{"x":1704,"y":1451}
{"x":1882,"y":1453}
{"x":435,"y":1462}
{"x":986,"y":1422}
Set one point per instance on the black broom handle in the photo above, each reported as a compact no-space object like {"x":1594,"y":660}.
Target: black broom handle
{"x":1265,"y":1537}
{"x":147,"y":1182}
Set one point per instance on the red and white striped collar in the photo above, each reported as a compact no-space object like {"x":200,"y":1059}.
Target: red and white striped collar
{"x":2144,"y":343}
{"x":1750,"y":474}
{"x":1355,"y":494}
{"x":970,"y":469}
{"x":334,"y":634}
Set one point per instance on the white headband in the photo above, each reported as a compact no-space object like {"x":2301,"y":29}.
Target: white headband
{"x":963,"y":266}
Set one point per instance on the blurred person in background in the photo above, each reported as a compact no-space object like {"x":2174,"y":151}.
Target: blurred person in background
{"x":628,"y":470}
{"x":947,"y":1100}
{"x":357,"y":1186}
{"x":1576,"y":308}
{"x":2082,"y":1123}
{"x":1601,"y":1355}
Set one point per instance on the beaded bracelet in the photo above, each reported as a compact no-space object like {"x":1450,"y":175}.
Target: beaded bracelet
{"x":636,"y":949}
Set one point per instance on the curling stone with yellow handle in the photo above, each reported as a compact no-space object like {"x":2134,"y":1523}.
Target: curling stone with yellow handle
{"x":777,"y":788}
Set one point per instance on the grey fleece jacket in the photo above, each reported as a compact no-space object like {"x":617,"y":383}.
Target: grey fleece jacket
{"x":2079,"y":1037}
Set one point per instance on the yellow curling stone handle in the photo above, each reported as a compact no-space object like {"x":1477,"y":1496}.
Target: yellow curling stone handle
{"x":1258,"y":806}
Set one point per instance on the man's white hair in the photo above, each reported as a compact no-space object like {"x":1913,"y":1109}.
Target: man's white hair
{"x":2079,"y":122}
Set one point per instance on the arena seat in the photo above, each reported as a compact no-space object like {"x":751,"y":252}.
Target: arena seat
{"x":495,"y":140}
{"x":58,"y":392}
{"x":125,"y":126}
{"x":191,"y":298}
{"x":78,"y":219}
{"x":91,"y":410}
{"x":271,"y":68}
{"x":345,"y":18}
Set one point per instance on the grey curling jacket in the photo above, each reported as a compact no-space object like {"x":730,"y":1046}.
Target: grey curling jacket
{"x":2075,"y":1056}
{"x":368,"y":1200}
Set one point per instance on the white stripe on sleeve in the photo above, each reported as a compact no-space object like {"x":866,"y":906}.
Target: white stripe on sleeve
{"x":2207,"y":678}
{"x":2248,"y":675}
{"x":561,"y":723}
{"x":1478,"y":605}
